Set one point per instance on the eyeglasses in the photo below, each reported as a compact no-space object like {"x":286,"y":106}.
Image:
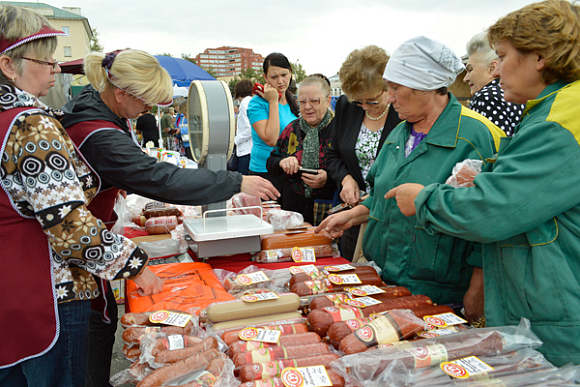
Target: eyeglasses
{"x":313,"y":102}
{"x":372,"y":102}
{"x":54,"y":64}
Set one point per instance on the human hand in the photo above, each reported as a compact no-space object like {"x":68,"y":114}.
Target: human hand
{"x":258,"y":186}
{"x":270,"y":93}
{"x":148,"y":283}
{"x":315,"y":180}
{"x":290,"y":165}
{"x":350,"y":192}
{"x":405,"y":195}
{"x":473,"y":301}
{"x":334,"y":225}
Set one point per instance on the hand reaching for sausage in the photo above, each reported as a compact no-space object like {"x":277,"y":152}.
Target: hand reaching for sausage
{"x":315,"y":181}
{"x":334,"y":225}
{"x":405,"y":195}
{"x":148,"y":283}
{"x":290,"y":165}
{"x":258,"y":186}
{"x":350,"y":192}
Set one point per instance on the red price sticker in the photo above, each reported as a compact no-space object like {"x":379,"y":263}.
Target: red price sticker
{"x":291,"y":377}
{"x":248,"y":334}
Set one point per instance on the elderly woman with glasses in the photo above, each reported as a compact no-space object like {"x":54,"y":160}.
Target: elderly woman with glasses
{"x":122,"y":86}
{"x":437,"y":133}
{"x":525,"y":208}
{"x":304,"y":143}
{"x":52,"y":245}
{"x":487,"y":97}
{"x":363,"y":121}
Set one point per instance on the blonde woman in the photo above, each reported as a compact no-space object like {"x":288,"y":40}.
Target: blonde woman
{"x":51,"y":243}
{"x":122,"y":86}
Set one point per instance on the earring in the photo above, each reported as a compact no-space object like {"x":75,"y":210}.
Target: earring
{"x":13,"y":79}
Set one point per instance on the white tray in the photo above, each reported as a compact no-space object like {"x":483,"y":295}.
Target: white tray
{"x":226,"y":227}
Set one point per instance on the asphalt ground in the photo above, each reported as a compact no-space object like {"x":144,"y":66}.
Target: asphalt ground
{"x":119,"y":362}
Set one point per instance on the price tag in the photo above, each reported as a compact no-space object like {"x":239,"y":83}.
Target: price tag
{"x":466,"y":367}
{"x":306,"y":377}
{"x":259,"y":297}
{"x":262,"y":335}
{"x":365,"y":290}
{"x":444,"y":320}
{"x":273,"y":255}
{"x":345,"y":279}
{"x":363,"y":302}
{"x":435,"y":333}
{"x":170,"y":318}
{"x":303,"y":269}
{"x":338,"y":268}
{"x":252,"y":278}
{"x":302,"y":254}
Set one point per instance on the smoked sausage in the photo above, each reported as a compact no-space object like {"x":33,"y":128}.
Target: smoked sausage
{"x":279,"y":352}
{"x":273,"y":369}
{"x":286,"y":341}
{"x":232,"y":336}
{"x":172,"y":356}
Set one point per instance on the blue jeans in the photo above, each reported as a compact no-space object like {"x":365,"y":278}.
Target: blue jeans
{"x":244,"y":164}
{"x":65,"y":365}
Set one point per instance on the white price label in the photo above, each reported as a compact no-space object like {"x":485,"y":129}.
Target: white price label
{"x":436,"y":333}
{"x":363,"y":302}
{"x":344,"y":279}
{"x":306,"y":269}
{"x":175,"y":342}
{"x":301,"y":254}
{"x":444,"y":320}
{"x":339,"y":268}
{"x":306,"y":377}
{"x":273,"y":255}
{"x":259,"y":297}
{"x":252,"y":278}
{"x":365,"y":290}
{"x":262,"y":335}
{"x":170,"y":318}
{"x":466,"y":367}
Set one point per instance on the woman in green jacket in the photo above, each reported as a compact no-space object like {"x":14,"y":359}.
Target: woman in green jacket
{"x":525,"y":208}
{"x":437,"y":133}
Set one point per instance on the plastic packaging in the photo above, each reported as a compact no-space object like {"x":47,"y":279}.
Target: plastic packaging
{"x":282,"y":220}
{"x":290,"y":240}
{"x":277,"y":280}
{"x":244,"y":200}
{"x":285,"y":254}
{"x":371,"y":368}
{"x":464,"y":172}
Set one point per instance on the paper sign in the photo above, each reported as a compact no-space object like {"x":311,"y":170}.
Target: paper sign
{"x":365,"y":290}
{"x":466,"y":367}
{"x":301,"y":254}
{"x":345,"y":279}
{"x":262,"y":335}
{"x":252,"y":278}
{"x":259,"y":297}
{"x":303,"y":269}
{"x":339,"y":268}
{"x":444,"y":320}
{"x":170,"y":318}
{"x":306,"y":377}
{"x":363,"y":302}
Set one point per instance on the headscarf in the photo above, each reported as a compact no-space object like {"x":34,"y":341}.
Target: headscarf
{"x":423,"y":64}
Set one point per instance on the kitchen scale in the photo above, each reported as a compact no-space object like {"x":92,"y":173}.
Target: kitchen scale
{"x":211,"y":125}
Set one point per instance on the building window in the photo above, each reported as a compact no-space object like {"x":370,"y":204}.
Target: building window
{"x":67,"y":51}
{"x":66,"y":31}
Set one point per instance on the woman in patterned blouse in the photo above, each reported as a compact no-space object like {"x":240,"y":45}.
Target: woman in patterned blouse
{"x":51,"y":243}
{"x":304,"y":143}
{"x":488,"y":97}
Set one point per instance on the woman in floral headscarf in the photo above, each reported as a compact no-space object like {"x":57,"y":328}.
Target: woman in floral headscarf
{"x":304,"y":143}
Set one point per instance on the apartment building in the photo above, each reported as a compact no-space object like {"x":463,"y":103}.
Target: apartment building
{"x":229,"y":61}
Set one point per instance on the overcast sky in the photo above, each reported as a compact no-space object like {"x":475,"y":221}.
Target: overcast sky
{"x":318,"y":34}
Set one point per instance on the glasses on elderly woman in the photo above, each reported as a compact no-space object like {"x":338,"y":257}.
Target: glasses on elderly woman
{"x":42,"y":62}
{"x":314,"y":102}
{"x":371,"y":102}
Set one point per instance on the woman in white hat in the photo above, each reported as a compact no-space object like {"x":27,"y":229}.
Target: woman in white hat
{"x":437,"y":133}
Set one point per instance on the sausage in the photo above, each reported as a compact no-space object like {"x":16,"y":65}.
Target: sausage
{"x":244,"y":322}
{"x":273,"y":369}
{"x":133,"y":335}
{"x":329,"y":300}
{"x":233,"y":336}
{"x":335,"y":378}
{"x":160,"y":225}
{"x":137,"y":371}
{"x":216,"y":365}
{"x":320,"y":320}
{"x":174,"y":342}
{"x":303,"y":239}
{"x":340,"y":329}
{"x":131,"y":352}
{"x":237,"y":309}
{"x":325,"y":286}
{"x":142,"y":319}
{"x":159,"y":212}
{"x":361,"y":271}
{"x":431,"y":310}
{"x":164,"y":375}
{"x":387,"y":328}
{"x":172,"y":356}
{"x":273,"y":353}
{"x":286,"y":341}
{"x":211,"y":374}
{"x":285,"y":254}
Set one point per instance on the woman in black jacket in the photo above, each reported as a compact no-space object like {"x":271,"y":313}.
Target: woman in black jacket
{"x":362,"y":122}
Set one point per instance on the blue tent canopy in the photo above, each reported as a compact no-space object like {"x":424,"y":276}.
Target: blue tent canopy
{"x":182,"y":71}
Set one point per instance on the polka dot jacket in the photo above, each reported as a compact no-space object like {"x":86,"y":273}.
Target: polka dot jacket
{"x":489,"y":102}
{"x":46,"y":179}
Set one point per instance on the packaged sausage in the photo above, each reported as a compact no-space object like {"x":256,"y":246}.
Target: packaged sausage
{"x":273,"y":369}
{"x":233,"y":335}
{"x":335,"y":378}
{"x":265,"y":355}
{"x":289,"y":241}
{"x":285,"y":254}
{"x":238,"y":309}
{"x":284,"y":340}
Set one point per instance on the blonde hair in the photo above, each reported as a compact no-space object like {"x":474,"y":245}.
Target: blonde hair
{"x":18,"y":23}
{"x":134,"y":71}
{"x":315,"y":80}
{"x":362,"y":72}
{"x":551,"y":28}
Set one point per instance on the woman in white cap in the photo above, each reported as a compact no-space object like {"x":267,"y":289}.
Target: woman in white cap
{"x":437,"y":133}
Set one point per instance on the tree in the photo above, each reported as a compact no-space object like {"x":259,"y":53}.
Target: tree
{"x":249,"y":73}
{"x":166,"y":54}
{"x":211,"y":71}
{"x":298,"y":71}
{"x":95,"y":45}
